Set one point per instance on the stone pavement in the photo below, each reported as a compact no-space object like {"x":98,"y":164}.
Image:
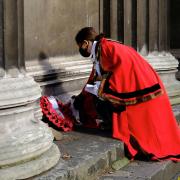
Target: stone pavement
{"x":85,"y":155}
{"x":176,"y":110}
{"x":90,"y":155}
{"x":140,"y":170}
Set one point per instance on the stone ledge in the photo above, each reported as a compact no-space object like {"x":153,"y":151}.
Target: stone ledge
{"x":165,"y":170}
{"x":88,"y":154}
{"x":85,"y":155}
{"x":176,"y":110}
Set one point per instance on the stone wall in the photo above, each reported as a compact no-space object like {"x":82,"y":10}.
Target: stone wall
{"x":50,"y":26}
{"x":51,"y":53}
{"x":1,"y":32}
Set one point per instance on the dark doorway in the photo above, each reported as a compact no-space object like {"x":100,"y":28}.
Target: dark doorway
{"x":175,"y":24}
{"x":175,"y":31}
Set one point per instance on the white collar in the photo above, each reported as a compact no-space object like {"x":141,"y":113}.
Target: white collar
{"x":93,"y":51}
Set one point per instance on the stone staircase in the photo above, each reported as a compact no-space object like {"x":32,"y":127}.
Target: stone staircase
{"x":86,"y":155}
{"x":89,"y":154}
{"x":139,"y":170}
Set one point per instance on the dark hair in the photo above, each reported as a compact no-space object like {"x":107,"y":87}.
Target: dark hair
{"x":88,"y":33}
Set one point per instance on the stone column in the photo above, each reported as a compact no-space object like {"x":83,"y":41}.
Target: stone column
{"x":128,"y":22}
{"x":152,"y":43}
{"x":113,"y":19}
{"x":142,"y":30}
{"x":26,"y":144}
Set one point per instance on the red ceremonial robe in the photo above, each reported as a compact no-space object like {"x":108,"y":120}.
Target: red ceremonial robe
{"x":148,"y":118}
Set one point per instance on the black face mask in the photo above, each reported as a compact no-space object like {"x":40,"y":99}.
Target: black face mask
{"x":84,"y":52}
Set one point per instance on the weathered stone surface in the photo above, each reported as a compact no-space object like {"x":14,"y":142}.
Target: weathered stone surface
{"x":18,"y":91}
{"x":23,"y":138}
{"x":120,"y":163}
{"x":61,"y":74}
{"x":166,"y":66}
{"x":52,"y":26}
{"x":140,"y":170}
{"x":162,"y":61}
{"x":33,"y":167}
{"x":52,"y":36}
{"x":90,"y":153}
{"x":57,"y":134}
{"x":176,"y":110}
{"x":1,"y":38}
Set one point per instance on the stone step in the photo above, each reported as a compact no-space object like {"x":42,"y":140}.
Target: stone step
{"x":140,"y":170}
{"x":88,"y":154}
{"x":176,"y":110}
{"x":85,"y":155}
{"x":91,"y":155}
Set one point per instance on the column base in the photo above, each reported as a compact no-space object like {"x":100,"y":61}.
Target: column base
{"x":166,"y":66}
{"x":33,"y":167}
{"x":26,"y":143}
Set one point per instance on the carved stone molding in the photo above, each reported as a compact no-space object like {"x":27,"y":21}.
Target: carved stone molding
{"x":25,"y":141}
{"x":58,"y":75}
{"x":166,"y":66}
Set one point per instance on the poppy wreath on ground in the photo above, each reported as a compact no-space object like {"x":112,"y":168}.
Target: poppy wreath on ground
{"x":57,"y":113}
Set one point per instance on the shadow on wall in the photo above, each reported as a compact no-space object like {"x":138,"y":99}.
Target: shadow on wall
{"x":49,"y":79}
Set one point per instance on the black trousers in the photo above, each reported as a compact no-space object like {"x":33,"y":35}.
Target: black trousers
{"x":104,"y":109}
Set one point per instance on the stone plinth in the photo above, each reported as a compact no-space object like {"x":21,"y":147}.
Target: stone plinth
{"x":166,"y":66}
{"x":26,"y":144}
{"x":59,"y":75}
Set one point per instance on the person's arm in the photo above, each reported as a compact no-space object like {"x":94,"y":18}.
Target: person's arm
{"x":79,"y":98}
